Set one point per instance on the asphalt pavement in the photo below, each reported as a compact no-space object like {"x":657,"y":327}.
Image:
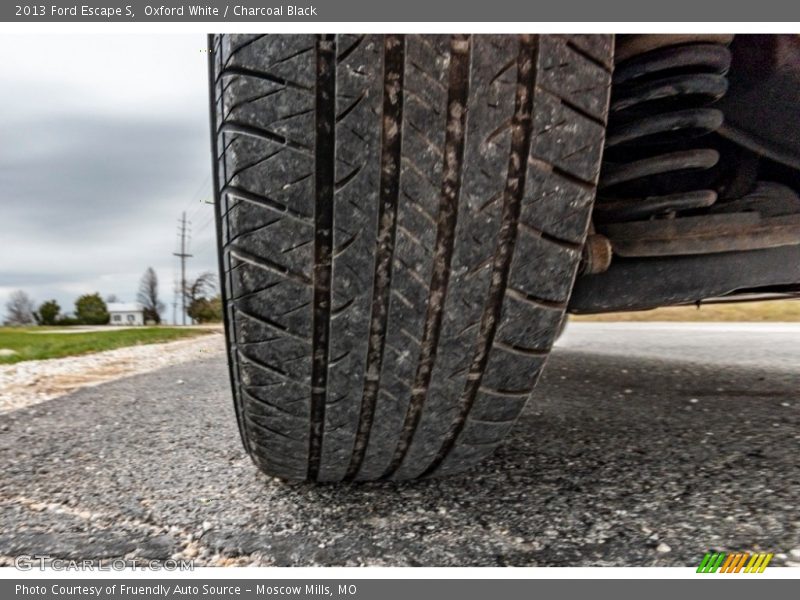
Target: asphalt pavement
{"x":644,"y":445}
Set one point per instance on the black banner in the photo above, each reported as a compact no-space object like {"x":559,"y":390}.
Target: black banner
{"x":387,"y":589}
{"x":243,"y":11}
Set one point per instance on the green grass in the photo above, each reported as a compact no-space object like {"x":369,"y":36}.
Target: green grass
{"x":764,"y":311}
{"x":37,"y":343}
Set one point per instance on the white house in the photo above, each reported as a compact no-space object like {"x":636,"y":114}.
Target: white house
{"x":125,"y":313}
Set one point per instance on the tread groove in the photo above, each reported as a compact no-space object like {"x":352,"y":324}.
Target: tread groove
{"x":263,"y":75}
{"x":340,"y":117}
{"x":264,"y":134}
{"x":246,"y":101}
{"x":457,"y":96}
{"x":521,"y":350}
{"x":506,"y":393}
{"x":243,"y":45}
{"x":578,"y":109}
{"x":578,"y":50}
{"x":538,"y":302}
{"x":266,"y":264}
{"x":566,"y":244}
{"x":522,"y":131}
{"x":325,"y":156}
{"x":268,"y":404}
{"x":269,"y":430}
{"x":261,"y":365}
{"x":350,"y":49}
{"x":342,"y":183}
{"x":258,"y":229}
{"x":259,"y":161}
{"x":389,"y":193}
{"x":266,"y":202}
{"x":574,"y":179}
{"x":269,"y":323}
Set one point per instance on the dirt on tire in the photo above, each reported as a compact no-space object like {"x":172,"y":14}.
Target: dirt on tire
{"x":401,"y":219}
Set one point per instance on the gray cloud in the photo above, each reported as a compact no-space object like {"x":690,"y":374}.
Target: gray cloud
{"x":95,"y":168}
{"x":85,"y":175}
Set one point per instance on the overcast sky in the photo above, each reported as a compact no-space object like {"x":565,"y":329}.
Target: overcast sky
{"x":103,"y":143}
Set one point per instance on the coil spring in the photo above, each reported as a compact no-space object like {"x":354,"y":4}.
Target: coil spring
{"x":658,"y":160}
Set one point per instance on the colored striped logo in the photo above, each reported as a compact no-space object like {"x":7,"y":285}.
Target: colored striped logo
{"x":734,"y":563}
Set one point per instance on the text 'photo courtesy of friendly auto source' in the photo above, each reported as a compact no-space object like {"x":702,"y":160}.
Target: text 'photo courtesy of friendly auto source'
{"x":181,"y":590}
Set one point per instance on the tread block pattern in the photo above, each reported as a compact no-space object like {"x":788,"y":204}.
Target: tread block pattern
{"x":264,"y":100}
{"x":554,"y":205}
{"x":511,"y":372}
{"x":541,"y":269}
{"x":599,"y":48}
{"x":488,"y":139}
{"x":566,"y":139}
{"x":424,"y":114}
{"x":562,"y":172}
{"x":269,"y":251}
{"x":359,"y":89}
{"x":527,"y":327}
{"x":572,"y":77}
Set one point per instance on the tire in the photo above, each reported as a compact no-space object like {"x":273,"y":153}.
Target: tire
{"x":400,"y":221}
{"x":562,"y":327}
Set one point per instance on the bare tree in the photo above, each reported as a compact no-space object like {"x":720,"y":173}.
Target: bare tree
{"x":201,"y":287}
{"x":112,"y":298}
{"x":148,"y":296}
{"x":20,"y":309}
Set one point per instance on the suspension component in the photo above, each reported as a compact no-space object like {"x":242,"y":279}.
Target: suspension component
{"x":691,"y":206}
{"x":657,"y":161}
{"x":596,"y":256}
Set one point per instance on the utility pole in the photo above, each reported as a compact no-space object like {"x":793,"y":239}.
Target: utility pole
{"x":183,"y":256}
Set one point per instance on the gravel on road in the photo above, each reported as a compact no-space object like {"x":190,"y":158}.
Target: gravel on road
{"x":635,"y":450}
{"x":31,"y":382}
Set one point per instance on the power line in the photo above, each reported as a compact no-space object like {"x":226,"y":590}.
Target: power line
{"x":198,"y":191}
{"x":205,"y":224}
{"x":199,"y":209}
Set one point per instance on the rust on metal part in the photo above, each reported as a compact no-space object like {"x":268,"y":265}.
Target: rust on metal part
{"x":704,"y":234}
{"x":596,"y":255}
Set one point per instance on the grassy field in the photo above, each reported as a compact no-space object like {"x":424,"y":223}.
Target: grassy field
{"x":36,"y":343}
{"x":776,"y":311}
